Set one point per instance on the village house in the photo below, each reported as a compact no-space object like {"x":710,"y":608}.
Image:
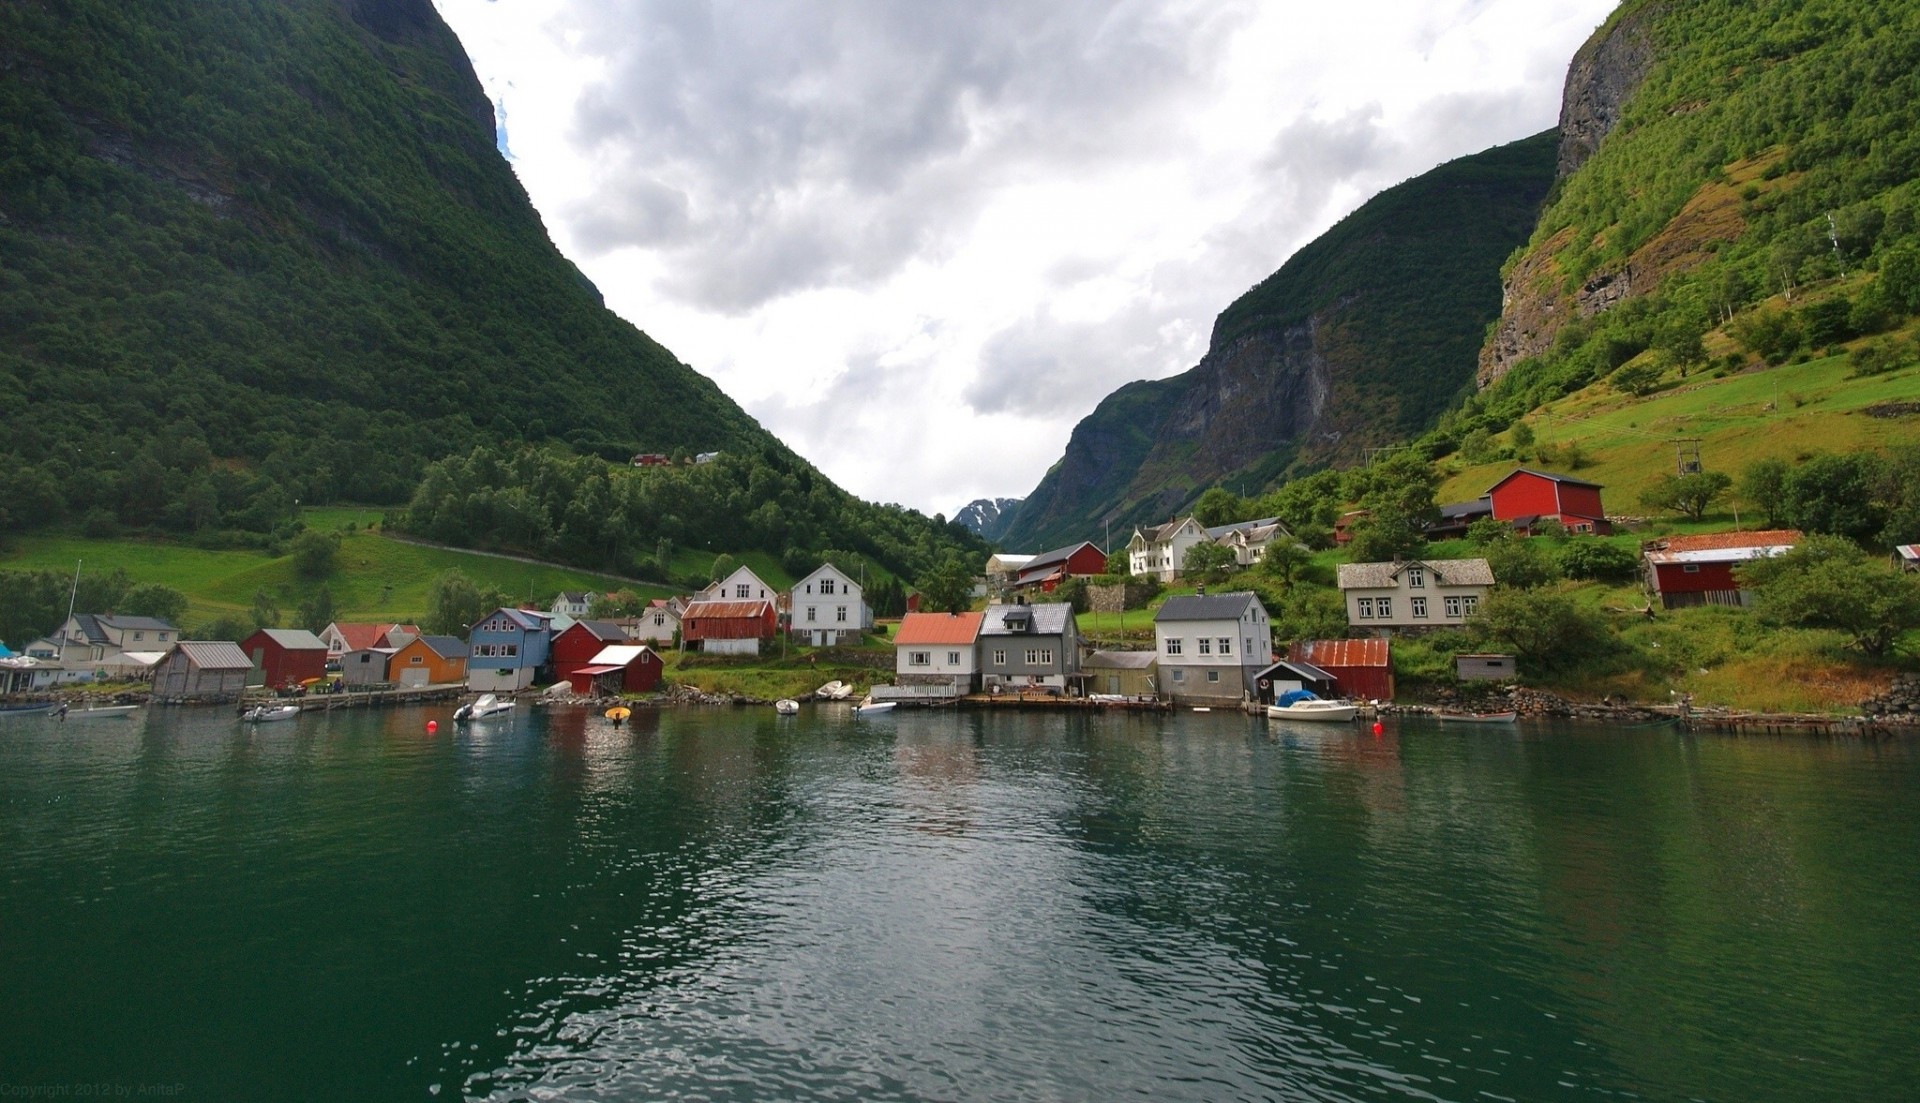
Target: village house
{"x":1456,"y":517}
{"x":937,"y":650}
{"x":1362,"y":670}
{"x":1029,"y":645}
{"x":1526,"y":498}
{"x":507,"y":650}
{"x":1129,"y":674}
{"x":617,"y":669}
{"x":728,"y":627}
{"x":344,"y":636}
{"x":284,"y":658}
{"x":429,"y":661}
{"x":741,"y":585}
{"x":659,"y":623}
{"x":569,"y":606}
{"x":1211,"y":646}
{"x":1158,"y":551}
{"x":827,"y":607}
{"x":101,"y":645}
{"x":1413,"y":594}
{"x":1248,"y":540}
{"x":1684,"y":571}
{"x":1049,"y":569}
{"x":575,"y":645}
{"x":197,"y":670}
{"x":1343,"y":526}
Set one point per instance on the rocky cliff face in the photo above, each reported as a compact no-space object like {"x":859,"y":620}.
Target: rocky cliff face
{"x":987,"y":516}
{"x":1534,"y":304}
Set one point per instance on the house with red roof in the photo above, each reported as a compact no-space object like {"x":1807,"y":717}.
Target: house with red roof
{"x":937,"y":649}
{"x":343,"y":636}
{"x":1527,"y":497}
{"x":1698,"y":570}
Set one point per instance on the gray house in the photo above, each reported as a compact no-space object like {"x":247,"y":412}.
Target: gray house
{"x":1029,"y":645}
{"x":1212,"y":647}
{"x":196,"y":670}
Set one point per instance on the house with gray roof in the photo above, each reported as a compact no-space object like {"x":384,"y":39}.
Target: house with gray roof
{"x":1413,"y":594}
{"x":201,"y":670}
{"x":1212,"y":647}
{"x":1029,"y":645}
{"x":99,"y":639}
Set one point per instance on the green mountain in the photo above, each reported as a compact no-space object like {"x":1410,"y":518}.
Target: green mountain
{"x":254,"y":252}
{"x":1362,"y":338}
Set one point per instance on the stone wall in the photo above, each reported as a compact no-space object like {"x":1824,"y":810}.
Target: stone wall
{"x":1121,"y":597}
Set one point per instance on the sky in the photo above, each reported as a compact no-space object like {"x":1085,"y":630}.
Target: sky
{"x":920,"y":241}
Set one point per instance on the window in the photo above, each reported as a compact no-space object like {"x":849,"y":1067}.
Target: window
{"x":1213,"y":676}
{"x":1039,"y":656}
{"x":953,"y":658}
{"x":1173,"y":645}
{"x":1416,"y":578}
{"x":365,"y":658}
{"x":1690,"y":568}
{"x":810,"y":614}
{"x":840,"y":614}
{"x":1179,"y":675}
{"x":1419,"y":605}
{"x":1206,"y":646}
{"x":1366,"y":608}
{"x":740,"y":590}
{"x":139,"y":635}
{"x":417,"y":660}
{"x":1383,"y":606}
{"x":659,"y":620}
{"x":1451,"y":606}
{"x":510,"y":650}
{"x":1226,"y":645}
{"x":826,"y":585}
{"x":999,"y":656}
{"x":1469,"y":603}
{"x":919,"y":658}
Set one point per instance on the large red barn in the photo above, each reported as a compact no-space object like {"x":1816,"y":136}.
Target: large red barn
{"x":1049,"y":569}
{"x":1361,"y":669}
{"x":1527,"y":497}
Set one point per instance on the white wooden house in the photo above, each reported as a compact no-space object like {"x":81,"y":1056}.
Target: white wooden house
{"x":828,"y":607}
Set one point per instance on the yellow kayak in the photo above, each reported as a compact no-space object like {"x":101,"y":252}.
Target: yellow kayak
{"x":619,"y":713}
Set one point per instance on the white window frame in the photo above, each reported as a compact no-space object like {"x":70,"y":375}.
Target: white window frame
{"x":1418,"y":607}
{"x":1173,"y":645}
{"x":919,"y":658}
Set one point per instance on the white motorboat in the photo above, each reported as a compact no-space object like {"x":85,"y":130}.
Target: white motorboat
{"x":786,"y":706}
{"x":868,"y":706}
{"x":834,"y":691}
{"x":261,"y":714}
{"x":97,"y":712}
{"x":1313,"y":708}
{"x":482,"y":707}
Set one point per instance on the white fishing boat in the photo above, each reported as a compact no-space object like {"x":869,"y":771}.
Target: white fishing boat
{"x":870,"y":707}
{"x":834,"y":691}
{"x":97,"y":712}
{"x":261,"y":714}
{"x":786,"y":706}
{"x":1312,"y":708}
{"x":482,"y":707}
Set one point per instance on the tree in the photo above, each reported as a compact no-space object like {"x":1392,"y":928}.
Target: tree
{"x":1310,"y":613}
{"x":317,"y":611}
{"x":314,"y":553}
{"x":1385,"y":535}
{"x":1900,"y":278}
{"x":265,"y":613}
{"x":1688,"y":494}
{"x":948,"y":587}
{"x":1544,"y":628}
{"x":233,"y":629}
{"x":1219,"y":506}
{"x":1285,"y":560}
{"x":1827,"y":582}
{"x":1599,"y":559}
{"x":1488,"y":531}
{"x":1764,"y":485}
{"x":723,"y":565}
{"x":1208,"y":562}
{"x":1523,"y":564}
{"x":150,"y":599}
{"x":616,"y":603}
{"x":1119,"y":563}
{"x":455,"y":601}
{"x":1637,"y":378}
{"x":1836,"y":495}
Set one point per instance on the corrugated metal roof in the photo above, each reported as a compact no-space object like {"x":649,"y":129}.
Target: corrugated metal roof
{"x":619,"y":655}
{"x":1328,"y":654}
{"x":1908,"y":551}
{"x":1228,"y":606}
{"x":725,"y":610}
{"x":1048,"y":619}
{"x":214,"y":654}
{"x":1716,"y":541}
{"x":600,"y":629}
{"x":938,"y":628}
{"x":297,"y":639}
{"x":1446,"y":572}
{"x":598,"y":669}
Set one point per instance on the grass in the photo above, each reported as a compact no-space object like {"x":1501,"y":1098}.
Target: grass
{"x":789,"y":672}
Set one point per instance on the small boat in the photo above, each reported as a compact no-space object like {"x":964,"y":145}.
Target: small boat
{"x":97,"y":712}
{"x":1301,"y":704}
{"x":1456,"y":717}
{"x":868,"y":706}
{"x":834,"y":691}
{"x":786,"y":706}
{"x":618,"y":714}
{"x":482,"y":707}
{"x":39,"y":709}
{"x":261,"y":714}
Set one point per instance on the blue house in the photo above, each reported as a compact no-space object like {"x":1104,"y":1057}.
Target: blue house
{"x":507,"y":649}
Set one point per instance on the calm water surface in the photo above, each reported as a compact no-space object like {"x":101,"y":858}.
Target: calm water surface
{"x":721,"y":905}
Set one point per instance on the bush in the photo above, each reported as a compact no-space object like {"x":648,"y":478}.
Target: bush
{"x":1599,"y":560}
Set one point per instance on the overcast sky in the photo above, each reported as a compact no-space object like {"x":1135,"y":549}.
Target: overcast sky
{"x":919,"y":241}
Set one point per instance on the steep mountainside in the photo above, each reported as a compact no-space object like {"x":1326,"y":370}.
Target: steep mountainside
{"x":987,"y":517}
{"x":254,"y":251}
{"x":1363,"y":337}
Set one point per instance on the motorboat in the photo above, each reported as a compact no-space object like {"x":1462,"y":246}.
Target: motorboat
{"x":786,"y":706}
{"x":1302,"y":704}
{"x":1457,"y":717}
{"x":869,"y":706}
{"x":97,"y":712}
{"x":41,"y":708}
{"x":261,"y":714}
{"x":834,"y":691}
{"x":482,"y":707}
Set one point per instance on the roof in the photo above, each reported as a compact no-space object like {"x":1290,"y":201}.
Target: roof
{"x":1049,"y":619}
{"x":295,"y":639}
{"x":1154,"y":534}
{"x":1217,"y":531}
{"x":360,"y":636}
{"x":1121,"y":660}
{"x":1714,"y":541}
{"x":214,"y":654}
{"x":572,"y":597}
{"x":1446,"y":572}
{"x":938,"y":628}
{"x":620,"y":655}
{"x":1327,"y":654}
{"x":1547,"y":475}
{"x":1907,"y":551}
{"x":1454,"y":511}
{"x":1300,"y":668}
{"x":1006,"y":561}
{"x":600,"y":629}
{"x":93,"y":626}
{"x":447,"y":647}
{"x":1058,"y":555}
{"x":1229,"y":606}
{"x":726,"y":610}
{"x":531,"y":620}
{"x":597,"y":669}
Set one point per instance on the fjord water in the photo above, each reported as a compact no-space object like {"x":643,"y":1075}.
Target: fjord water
{"x":949,"y":905}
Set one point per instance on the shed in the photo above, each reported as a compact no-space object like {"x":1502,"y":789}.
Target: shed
{"x":201,"y":671}
{"x":429,"y":660}
{"x":1288,"y":675}
{"x":1122,"y":673}
{"x":582,"y":640}
{"x":1361,"y":669}
{"x":1907,"y":556}
{"x":286,"y":656}
{"x":620,"y":668}
{"x":366,"y":666}
{"x":728,"y":627}
{"x":1699,"y":570}
{"x":1484,"y":668}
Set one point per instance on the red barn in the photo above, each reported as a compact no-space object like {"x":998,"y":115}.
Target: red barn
{"x":577,"y":646}
{"x":1361,"y":669}
{"x":1049,"y":569}
{"x":1698,"y":570}
{"x":620,"y":668}
{"x":286,"y":656}
{"x":728,"y":627}
{"x":1527,"y":497}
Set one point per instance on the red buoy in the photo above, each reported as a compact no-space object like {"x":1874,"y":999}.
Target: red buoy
{"x":1378,"y":728}
{"x":433,"y":726}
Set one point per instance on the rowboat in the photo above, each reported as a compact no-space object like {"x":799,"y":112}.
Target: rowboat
{"x":261,"y":714}
{"x":834,"y":691}
{"x":786,"y":706}
{"x":40,"y":709}
{"x":1476,"y":717}
{"x":98,"y":712}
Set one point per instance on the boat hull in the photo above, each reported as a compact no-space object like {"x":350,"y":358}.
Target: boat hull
{"x":1476,"y":717}
{"x":1322,"y":714}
